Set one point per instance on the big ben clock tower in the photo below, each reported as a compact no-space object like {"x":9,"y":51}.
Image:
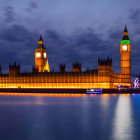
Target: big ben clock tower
{"x":41,"y":61}
{"x":125,"y":50}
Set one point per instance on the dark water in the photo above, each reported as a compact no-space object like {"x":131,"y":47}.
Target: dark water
{"x":97,"y":117}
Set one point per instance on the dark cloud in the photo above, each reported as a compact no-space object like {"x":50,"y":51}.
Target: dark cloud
{"x":9,"y":14}
{"x":17,"y":43}
{"x":135,"y":16}
{"x":115,"y":35}
{"x":15,"y":33}
{"x":32,"y":7}
{"x":83,"y":46}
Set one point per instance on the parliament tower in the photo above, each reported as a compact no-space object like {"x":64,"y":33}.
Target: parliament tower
{"x":41,"y":61}
{"x":125,"y":51}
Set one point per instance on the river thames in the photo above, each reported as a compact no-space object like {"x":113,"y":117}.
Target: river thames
{"x":70,"y":117}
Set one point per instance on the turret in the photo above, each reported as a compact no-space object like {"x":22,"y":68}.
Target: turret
{"x":14,"y":69}
{"x":62,"y":68}
{"x":76,"y":67}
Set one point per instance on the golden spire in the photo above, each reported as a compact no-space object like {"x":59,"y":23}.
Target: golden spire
{"x":46,"y":67}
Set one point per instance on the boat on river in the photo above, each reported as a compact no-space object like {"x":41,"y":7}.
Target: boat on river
{"x":94,"y":90}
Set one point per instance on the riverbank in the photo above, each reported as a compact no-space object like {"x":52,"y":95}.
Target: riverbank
{"x":81,"y":91}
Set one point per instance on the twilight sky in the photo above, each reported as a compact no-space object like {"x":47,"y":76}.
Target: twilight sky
{"x":73,"y":30}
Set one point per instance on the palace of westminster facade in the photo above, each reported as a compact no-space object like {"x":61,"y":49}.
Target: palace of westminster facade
{"x":42,"y":77}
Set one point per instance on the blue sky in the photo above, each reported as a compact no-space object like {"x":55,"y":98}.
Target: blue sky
{"x":73,"y":30}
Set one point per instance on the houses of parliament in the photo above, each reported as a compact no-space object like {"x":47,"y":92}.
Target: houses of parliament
{"x":42,"y":77}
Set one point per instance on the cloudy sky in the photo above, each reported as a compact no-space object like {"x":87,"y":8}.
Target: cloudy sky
{"x":73,"y":30}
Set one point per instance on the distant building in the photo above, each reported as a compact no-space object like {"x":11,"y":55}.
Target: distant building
{"x":41,"y":77}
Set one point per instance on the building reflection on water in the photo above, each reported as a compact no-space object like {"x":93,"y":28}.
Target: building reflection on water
{"x":123,"y":122}
{"x":43,"y":94}
{"x":105,"y":100}
{"x":38,"y":98}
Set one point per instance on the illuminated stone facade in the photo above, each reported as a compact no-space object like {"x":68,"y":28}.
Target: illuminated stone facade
{"x":41,"y":77}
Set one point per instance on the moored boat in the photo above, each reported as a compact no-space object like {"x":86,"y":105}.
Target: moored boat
{"x":94,"y":90}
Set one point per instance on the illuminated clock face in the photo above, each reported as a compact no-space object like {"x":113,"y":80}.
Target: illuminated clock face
{"x":38,"y":54}
{"x":124,"y":47}
{"x":45,"y":55}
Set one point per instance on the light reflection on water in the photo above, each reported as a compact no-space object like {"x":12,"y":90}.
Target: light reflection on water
{"x":69,"y":117}
{"x":123,"y":121}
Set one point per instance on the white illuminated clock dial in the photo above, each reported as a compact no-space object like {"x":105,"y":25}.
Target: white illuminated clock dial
{"x":124,"y":47}
{"x":38,"y":54}
{"x":45,"y":55}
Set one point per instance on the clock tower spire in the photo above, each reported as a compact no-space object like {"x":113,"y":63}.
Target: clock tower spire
{"x":125,"y":51}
